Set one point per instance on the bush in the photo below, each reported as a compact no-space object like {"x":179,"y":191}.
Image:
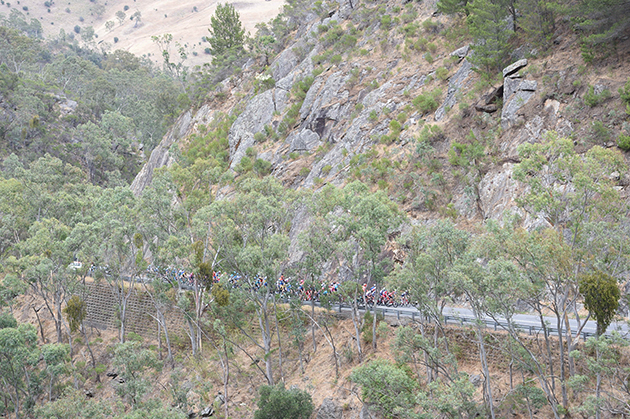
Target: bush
{"x":386,"y":386}
{"x":624,"y":93}
{"x":276,"y":402}
{"x":77,"y":29}
{"x":428,"y":101}
{"x":623,"y":142}
{"x":599,"y":132}
{"x":592,"y":99}
{"x":115,"y":39}
{"x":441,"y":73}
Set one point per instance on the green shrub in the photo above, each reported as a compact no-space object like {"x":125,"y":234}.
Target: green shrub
{"x":623,"y":142}
{"x":429,"y":25}
{"x":592,"y":99}
{"x":326,"y":169}
{"x":428,"y":101}
{"x":276,"y":402}
{"x":441,"y":73}
{"x":305,"y":171}
{"x":386,"y":22}
{"x":385,"y":386}
{"x":373,"y":116}
{"x":624,"y":93}
{"x":348,"y":41}
{"x":262,"y":167}
{"x":395,"y":127}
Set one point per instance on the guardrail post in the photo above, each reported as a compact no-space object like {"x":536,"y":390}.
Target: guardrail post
{"x":398,"y":314}
{"x":413,"y":316}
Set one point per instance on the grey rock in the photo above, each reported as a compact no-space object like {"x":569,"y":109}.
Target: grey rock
{"x":510,"y":86}
{"x":460,"y":52}
{"x":281,"y":99}
{"x":207,"y":412}
{"x":283,"y":64}
{"x":68,"y":106}
{"x":528,"y":85}
{"x":257,"y":113}
{"x":376,"y":95}
{"x":160,"y":156}
{"x":457,"y":81}
{"x":311,"y":95}
{"x":329,"y":410}
{"x":304,"y":69}
{"x":516,"y":93}
{"x":306,"y":140}
{"x":510,"y":110}
{"x":496,"y":191}
{"x":598,"y":89}
{"x":491,"y":108}
{"x":365,"y":413}
{"x":514,"y":67}
{"x":518,"y":53}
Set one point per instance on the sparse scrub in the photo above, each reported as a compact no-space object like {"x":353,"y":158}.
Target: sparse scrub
{"x":427,"y":101}
{"x":593,"y":99}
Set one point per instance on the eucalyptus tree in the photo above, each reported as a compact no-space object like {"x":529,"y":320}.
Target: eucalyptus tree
{"x":433,"y":252}
{"x":121,"y":246}
{"x":366,"y":219}
{"x":577,"y":195}
{"x":252,"y":232}
{"x":18,"y":354}
{"x":317,"y":244}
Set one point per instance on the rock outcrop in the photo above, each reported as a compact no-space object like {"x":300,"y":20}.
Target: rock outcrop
{"x":516,"y":92}
{"x":161,"y":156}
{"x":329,"y":410}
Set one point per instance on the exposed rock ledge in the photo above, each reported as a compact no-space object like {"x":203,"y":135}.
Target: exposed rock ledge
{"x":160,"y":156}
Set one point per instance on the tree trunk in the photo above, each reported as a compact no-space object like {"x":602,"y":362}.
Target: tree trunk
{"x":313,"y":324}
{"x":275,"y":307}
{"x":41,"y":327}
{"x":484,"y":365}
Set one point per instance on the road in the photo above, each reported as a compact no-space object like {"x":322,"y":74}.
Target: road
{"x":527,"y":322}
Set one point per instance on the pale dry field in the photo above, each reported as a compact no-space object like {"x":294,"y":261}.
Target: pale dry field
{"x":177,"y":17}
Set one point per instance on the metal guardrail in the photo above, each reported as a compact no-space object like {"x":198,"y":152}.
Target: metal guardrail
{"x":464,"y":321}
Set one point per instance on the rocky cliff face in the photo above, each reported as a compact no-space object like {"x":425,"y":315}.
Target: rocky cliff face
{"x":362,"y":111}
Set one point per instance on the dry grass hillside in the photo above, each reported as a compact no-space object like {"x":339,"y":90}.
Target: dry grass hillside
{"x":186,"y":20}
{"x":203,"y":375}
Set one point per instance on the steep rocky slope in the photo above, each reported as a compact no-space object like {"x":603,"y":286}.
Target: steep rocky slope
{"x":401,"y":107}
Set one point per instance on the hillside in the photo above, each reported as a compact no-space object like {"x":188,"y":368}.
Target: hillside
{"x":163,"y":224}
{"x":187,"y":21}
